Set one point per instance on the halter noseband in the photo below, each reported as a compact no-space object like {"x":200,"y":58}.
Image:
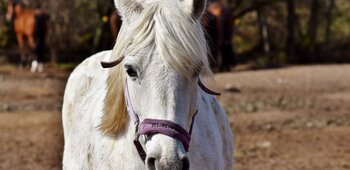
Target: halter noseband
{"x":156,"y":126}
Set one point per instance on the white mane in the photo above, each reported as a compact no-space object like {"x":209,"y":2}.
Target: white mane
{"x":169,"y":32}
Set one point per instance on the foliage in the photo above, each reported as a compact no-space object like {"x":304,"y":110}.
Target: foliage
{"x":247,"y":36}
{"x":72,"y":24}
{"x":76,"y":27}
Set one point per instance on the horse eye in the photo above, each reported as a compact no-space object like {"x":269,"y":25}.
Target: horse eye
{"x":131,"y":72}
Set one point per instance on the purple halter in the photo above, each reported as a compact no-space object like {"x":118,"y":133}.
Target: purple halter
{"x":155,"y":126}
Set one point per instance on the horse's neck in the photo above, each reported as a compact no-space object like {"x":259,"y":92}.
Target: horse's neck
{"x":23,"y":11}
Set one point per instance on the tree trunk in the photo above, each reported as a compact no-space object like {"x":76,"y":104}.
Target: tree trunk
{"x":291,"y":23}
{"x":329,"y":20}
{"x":264,"y":37}
{"x":313,"y":26}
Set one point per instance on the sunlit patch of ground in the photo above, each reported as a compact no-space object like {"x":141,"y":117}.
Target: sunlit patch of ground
{"x":289,"y":118}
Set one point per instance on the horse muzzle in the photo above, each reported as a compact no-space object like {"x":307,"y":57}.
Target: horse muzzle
{"x":165,"y":153}
{"x":157,"y":164}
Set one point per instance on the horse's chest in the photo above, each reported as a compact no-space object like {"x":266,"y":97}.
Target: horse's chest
{"x":112,"y":153}
{"x":25,"y":25}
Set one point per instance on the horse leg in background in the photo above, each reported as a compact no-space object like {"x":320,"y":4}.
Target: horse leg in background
{"x":40,"y":56}
{"x":33,"y":59}
{"x":40,"y":31}
{"x":21,"y":51}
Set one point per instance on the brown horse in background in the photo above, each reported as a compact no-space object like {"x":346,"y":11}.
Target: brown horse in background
{"x":30,"y":24}
{"x":115,"y":22}
{"x":218,"y":25}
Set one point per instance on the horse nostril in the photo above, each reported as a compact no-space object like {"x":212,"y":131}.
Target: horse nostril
{"x":151,"y":163}
{"x":185,"y":163}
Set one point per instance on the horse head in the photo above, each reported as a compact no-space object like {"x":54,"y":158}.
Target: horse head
{"x":10,"y":10}
{"x":161,"y":52}
{"x":13,"y":7}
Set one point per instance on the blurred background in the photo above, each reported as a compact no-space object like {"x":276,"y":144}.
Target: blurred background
{"x":282,"y":67}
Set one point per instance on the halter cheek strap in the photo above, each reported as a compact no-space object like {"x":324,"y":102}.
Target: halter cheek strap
{"x":156,"y":126}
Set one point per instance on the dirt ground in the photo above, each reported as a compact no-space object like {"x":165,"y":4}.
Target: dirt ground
{"x":283,"y":119}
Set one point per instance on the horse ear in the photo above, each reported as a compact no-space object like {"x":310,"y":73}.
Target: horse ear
{"x":127,"y":8}
{"x":195,"y":8}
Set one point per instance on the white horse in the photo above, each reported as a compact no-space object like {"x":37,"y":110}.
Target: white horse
{"x":151,"y":98}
